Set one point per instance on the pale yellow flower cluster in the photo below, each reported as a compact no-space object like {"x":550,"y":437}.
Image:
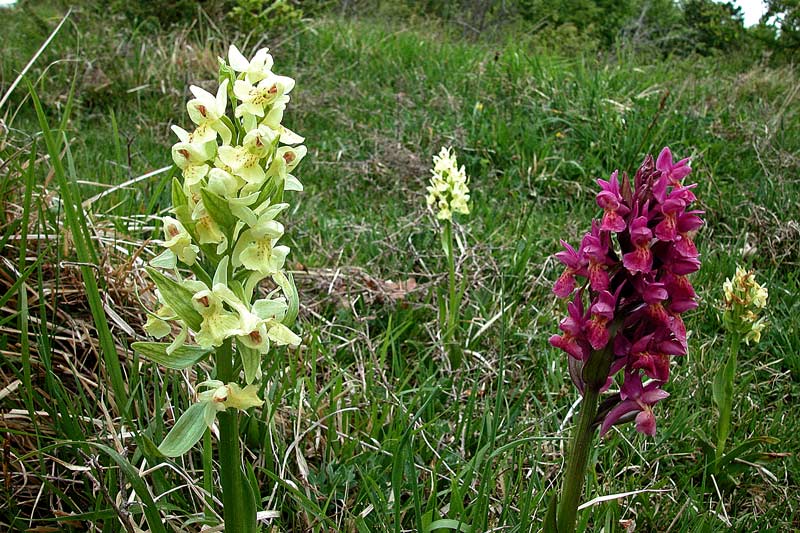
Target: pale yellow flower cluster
{"x":235,"y":169}
{"x":744,"y":298}
{"x":448,"y":192}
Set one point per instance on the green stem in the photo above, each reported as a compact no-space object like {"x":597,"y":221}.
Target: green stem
{"x":237,"y":498}
{"x":577,"y":461}
{"x":452,"y":305}
{"x":727,"y":377}
{"x":451,"y":274}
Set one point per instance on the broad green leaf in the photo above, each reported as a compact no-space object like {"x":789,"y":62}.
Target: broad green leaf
{"x":177,"y":297}
{"x":218,"y":209}
{"x":187,"y":431}
{"x":182,"y":357}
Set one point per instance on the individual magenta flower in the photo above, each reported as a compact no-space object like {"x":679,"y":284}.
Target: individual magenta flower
{"x":638,"y":399}
{"x":640,"y":259}
{"x":672,"y":173}
{"x":595,"y":246}
{"x":576,"y":266}
{"x":572,"y":340}
{"x":611,"y":201}
{"x":448,"y":192}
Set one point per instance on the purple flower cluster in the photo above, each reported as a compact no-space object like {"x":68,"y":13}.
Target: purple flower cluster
{"x":626,"y":309}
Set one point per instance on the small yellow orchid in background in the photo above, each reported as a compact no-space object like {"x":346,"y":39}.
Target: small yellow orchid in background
{"x":743,"y":298}
{"x":448,"y":190}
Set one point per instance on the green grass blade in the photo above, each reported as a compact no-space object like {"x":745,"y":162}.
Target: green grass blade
{"x":85,"y":253}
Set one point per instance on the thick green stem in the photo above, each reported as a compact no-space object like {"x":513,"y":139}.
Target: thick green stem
{"x":577,"y":461}
{"x":239,"y":510}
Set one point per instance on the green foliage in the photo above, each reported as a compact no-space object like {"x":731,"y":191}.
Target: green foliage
{"x":159,"y":13}
{"x":347,"y":424}
{"x":264,"y":15}
{"x":785,"y":15}
{"x":715,"y":26}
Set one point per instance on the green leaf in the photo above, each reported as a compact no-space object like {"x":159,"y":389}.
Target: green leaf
{"x":178,"y":196}
{"x":251,"y":362}
{"x":218,"y":209}
{"x":187,"y":431}
{"x":81,"y":237}
{"x":182,"y":357}
{"x":447,"y":523}
{"x":743,"y":449}
{"x":177,"y":297}
{"x":286,"y":283}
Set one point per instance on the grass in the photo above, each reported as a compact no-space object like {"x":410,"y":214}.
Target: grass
{"x":366,"y":427}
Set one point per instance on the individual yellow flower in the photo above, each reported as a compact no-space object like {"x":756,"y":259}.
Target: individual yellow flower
{"x":218,"y":323}
{"x":254,"y":70}
{"x":178,"y":241}
{"x":231,"y":396}
{"x":191,"y":158}
{"x":239,"y":161}
{"x":255,"y":98}
{"x":206,"y":111}
{"x":256,"y":249}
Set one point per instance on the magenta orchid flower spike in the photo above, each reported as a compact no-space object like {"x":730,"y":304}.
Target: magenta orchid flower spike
{"x":627,"y":312}
{"x":628,"y":288}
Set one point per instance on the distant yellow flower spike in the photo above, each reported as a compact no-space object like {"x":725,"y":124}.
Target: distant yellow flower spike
{"x":744,"y":297}
{"x":448,"y":191}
